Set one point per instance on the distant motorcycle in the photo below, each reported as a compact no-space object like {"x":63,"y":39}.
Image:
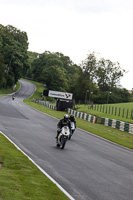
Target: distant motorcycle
{"x":72,"y":129}
{"x":13,"y":97}
{"x":63,"y":137}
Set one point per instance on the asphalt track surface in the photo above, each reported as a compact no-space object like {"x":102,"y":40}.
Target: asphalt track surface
{"x":89,"y":168}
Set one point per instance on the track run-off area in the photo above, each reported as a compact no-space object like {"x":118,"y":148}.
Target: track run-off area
{"x":89,"y":168}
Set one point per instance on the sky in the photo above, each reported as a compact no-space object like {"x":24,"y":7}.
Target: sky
{"x":76,"y":28}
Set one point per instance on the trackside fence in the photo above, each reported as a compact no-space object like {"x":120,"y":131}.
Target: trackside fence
{"x":112,"y":110}
{"x":122,"y":126}
{"x":44,"y":103}
{"x":82,"y":115}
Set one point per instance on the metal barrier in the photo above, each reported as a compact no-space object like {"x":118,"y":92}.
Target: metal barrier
{"x":81,"y":115}
{"x":122,"y":126}
{"x":44,"y":103}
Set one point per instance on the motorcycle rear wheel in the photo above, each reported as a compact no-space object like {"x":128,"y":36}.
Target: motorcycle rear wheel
{"x":72,"y":131}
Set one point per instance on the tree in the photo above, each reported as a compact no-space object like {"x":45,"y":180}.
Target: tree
{"x":86,"y":77}
{"x":54,"y":78}
{"x":2,"y":71}
{"x":108,"y":74}
{"x":58,"y":72}
{"x":14,"y":44}
{"x":65,"y":67}
{"x":89,"y":67}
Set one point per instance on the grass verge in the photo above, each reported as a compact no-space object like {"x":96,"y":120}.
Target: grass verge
{"x":20,"y":179}
{"x":115,"y":115}
{"x":9,"y":90}
{"x":114,"y":135}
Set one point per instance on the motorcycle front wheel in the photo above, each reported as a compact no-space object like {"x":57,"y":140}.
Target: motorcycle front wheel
{"x":63,"y":142}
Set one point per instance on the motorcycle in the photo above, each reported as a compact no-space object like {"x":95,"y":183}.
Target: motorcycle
{"x":13,"y":97}
{"x":72,"y":129}
{"x":63,"y":137}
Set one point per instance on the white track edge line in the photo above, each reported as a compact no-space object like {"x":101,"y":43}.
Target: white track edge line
{"x":45,"y":173}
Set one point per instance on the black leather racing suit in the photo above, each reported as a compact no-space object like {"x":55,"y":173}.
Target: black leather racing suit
{"x":63,"y":122}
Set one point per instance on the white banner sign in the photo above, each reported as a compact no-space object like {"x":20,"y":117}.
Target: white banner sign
{"x":60,"y":95}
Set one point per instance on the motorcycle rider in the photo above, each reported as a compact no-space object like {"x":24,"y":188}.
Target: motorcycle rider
{"x":13,"y":96}
{"x":63,"y":122}
{"x":72,"y":119}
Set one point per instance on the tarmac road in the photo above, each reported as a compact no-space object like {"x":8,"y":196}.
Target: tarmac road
{"x":89,"y":168}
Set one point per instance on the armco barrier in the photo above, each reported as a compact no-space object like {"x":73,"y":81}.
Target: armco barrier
{"x":123,"y":126}
{"x":82,"y":115}
{"x":44,"y":103}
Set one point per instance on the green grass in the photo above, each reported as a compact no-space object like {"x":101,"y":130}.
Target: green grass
{"x":38,"y":92}
{"x":9,"y":90}
{"x":114,"y":135}
{"x":20,"y":179}
{"x":111,"y":115}
{"x":6,"y":91}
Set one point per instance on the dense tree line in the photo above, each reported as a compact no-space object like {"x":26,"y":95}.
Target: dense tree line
{"x":13,"y":55}
{"x":55,"y":70}
{"x":94,"y":79}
